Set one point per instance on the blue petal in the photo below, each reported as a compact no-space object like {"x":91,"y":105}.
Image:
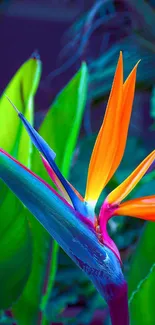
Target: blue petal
{"x":74,"y":233}
{"x":50,"y":155}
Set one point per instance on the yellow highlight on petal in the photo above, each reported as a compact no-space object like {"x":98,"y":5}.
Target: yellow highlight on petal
{"x":120,"y":192}
{"x":143,"y":208}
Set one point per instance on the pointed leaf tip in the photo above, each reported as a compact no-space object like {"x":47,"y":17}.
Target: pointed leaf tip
{"x":15,"y":108}
{"x":84,"y":64}
{"x":37,"y":140}
{"x":35,"y":55}
{"x":50,"y":155}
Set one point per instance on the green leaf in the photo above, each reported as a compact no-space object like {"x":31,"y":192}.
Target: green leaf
{"x":21,"y":90}
{"x":15,"y":239}
{"x":15,"y":260}
{"x":60,"y":129}
{"x":142,"y":300}
{"x":143,"y":257}
{"x":61,"y":125}
{"x":141,"y":263}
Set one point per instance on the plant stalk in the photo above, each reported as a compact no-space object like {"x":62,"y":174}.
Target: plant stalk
{"x":119,"y":311}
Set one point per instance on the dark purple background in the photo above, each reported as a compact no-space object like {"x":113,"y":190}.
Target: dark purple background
{"x":28,"y":25}
{"x":19,"y":38}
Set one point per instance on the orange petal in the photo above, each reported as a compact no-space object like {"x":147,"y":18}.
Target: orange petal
{"x":127,"y":101}
{"x":106,"y":142}
{"x":143,"y":208}
{"x":120,"y":192}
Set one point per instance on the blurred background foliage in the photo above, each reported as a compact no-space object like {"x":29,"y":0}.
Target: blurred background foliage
{"x":95,"y":32}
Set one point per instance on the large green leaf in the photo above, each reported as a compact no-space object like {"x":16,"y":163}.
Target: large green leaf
{"x":21,"y":90}
{"x":142,"y":301}
{"x":15,"y":260}
{"x":60,"y":129}
{"x":15,"y":239}
{"x":61,"y":126}
{"x":143,"y":258}
{"x":141,"y":263}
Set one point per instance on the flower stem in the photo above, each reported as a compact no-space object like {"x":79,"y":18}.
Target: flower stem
{"x":50,"y":281}
{"x":119,"y":311}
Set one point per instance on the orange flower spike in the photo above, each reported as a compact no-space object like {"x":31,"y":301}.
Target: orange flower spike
{"x":105,"y":146}
{"x":127,"y":101}
{"x":143,"y":208}
{"x":121,"y":191}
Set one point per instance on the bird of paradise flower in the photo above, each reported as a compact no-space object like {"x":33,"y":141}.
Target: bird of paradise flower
{"x":68,"y":217}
